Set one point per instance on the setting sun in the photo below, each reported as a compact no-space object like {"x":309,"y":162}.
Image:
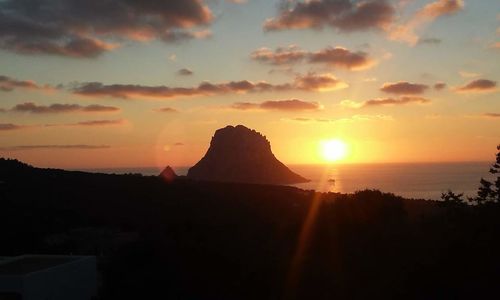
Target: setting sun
{"x":333,"y":150}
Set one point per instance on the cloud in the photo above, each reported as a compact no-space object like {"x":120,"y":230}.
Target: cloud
{"x":429,"y":41}
{"x":309,"y":82}
{"x":245,"y":106}
{"x":440,"y":8}
{"x":406,"y":32}
{"x":98,"y":123}
{"x":306,"y":120}
{"x":281,"y":56}
{"x":99,"y":108}
{"x":361,"y":118}
{"x":466,"y":74}
{"x":318,"y":82}
{"x":354,"y":118}
{"x":492,"y":115}
{"x":77,"y":47}
{"x":395,"y":101}
{"x":344,"y":15}
{"x":125,"y":91}
{"x":167,"y":147}
{"x":91,"y":123}
{"x":333,"y":57}
{"x":184,"y":72}
{"x":350,"y":104}
{"x":9,"y":126}
{"x":341,"y":57}
{"x":404,"y":88}
{"x":439,"y":86}
{"x":477,"y":86}
{"x":8,"y":84}
{"x":64,"y":147}
{"x":281,"y":105}
{"x":166,"y":110}
{"x":74,"y":28}
{"x":31,"y":107}
{"x":178,"y":36}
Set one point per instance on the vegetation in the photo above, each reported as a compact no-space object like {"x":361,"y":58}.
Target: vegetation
{"x":488,"y":192}
{"x":198,"y":240}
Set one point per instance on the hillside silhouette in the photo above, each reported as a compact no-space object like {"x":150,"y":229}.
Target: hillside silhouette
{"x":239,"y":154}
{"x":191,"y":239}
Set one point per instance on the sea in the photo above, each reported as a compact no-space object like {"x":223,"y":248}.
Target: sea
{"x":410,"y":180}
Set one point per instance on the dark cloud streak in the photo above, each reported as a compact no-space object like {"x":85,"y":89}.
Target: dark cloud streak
{"x":31,"y":107}
{"x":92,"y":123}
{"x":97,"y":123}
{"x":341,"y":57}
{"x":404,"y":88}
{"x":8,"y":84}
{"x":492,"y":115}
{"x":439,"y":86}
{"x":331,"y":56}
{"x":279,"y":105}
{"x":184,"y":72}
{"x":479,"y":85}
{"x":166,"y":110}
{"x":10,"y":126}
{"x":281,"y":56}
{"x":396,"y":101}
{"x":309,"y":82}
{"x":64,"y":147}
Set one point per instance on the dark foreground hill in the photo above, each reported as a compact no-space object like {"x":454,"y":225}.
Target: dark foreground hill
{"x":239,"y":154}
{"x":199,"y":240}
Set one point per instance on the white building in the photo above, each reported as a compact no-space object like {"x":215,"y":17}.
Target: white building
{"x":48,"y":277}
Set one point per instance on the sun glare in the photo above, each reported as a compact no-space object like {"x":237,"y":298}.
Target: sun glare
{"x":333,"y":150}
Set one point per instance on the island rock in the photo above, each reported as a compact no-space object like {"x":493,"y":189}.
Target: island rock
{"x":168,"y":174}
{"x":239,"y":154}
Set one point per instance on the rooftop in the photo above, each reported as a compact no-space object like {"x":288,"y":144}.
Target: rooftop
{"x":26,"y":264}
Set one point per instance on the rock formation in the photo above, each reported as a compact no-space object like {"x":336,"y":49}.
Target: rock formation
{"x":239,"y":154}
{"x":168,"y":174}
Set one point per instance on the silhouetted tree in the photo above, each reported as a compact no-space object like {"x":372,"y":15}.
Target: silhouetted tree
{"x":451,"y":199}
{"x":489,"y":192}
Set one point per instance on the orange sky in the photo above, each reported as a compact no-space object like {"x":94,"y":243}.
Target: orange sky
{"x":416,"y":82}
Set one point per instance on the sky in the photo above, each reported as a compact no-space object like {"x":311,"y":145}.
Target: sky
{"x":129,"y":83}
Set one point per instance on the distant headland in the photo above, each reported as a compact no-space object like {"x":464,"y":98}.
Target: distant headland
{"x":240,"y":154}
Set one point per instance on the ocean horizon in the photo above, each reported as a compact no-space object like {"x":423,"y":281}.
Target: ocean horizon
{"x":409,"y":180}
